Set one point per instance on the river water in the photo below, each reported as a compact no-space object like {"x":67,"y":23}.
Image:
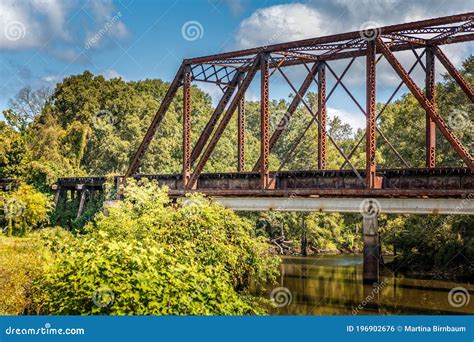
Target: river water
{"x":332,"y":285}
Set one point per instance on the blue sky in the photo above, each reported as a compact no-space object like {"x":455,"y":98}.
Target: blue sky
{"x":42,"y":41}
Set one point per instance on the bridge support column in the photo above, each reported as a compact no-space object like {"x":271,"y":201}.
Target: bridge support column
{"x":321,"y":116}
{"x":264,"y":121}
{"x":430,"y":95}
{"x":371,"y":250}
{"x":371,"y":120}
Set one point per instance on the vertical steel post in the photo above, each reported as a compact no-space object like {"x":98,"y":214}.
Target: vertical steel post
{"x":371,"y":115}
{"x":430,"y":95}
{"x":322,"y":116}
{"x":186,"y":125}
{"x":264,"y":121}
{"x":241,"y":131}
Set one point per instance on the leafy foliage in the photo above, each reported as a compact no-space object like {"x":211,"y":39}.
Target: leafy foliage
{"x":23,"y":210}
{"x":153,"y":257}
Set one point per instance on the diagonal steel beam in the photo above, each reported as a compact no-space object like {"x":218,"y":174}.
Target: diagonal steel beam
{"x":241,"y":132}
{"x":285,"y":119}
{"x":315,"y":119}
{"x":383,"y":110}
{"x":165,"y":103}
{"x":224,"y":122}
{"x":289,"y":113}
{"x":382,"y":135}
{"x":465,"y":86}
{"x":427,"y":105}
{"x":207,"y":131}
{"x":186,"y":124}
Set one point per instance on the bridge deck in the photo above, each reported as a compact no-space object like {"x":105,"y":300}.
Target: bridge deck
{"x":422,"y":182}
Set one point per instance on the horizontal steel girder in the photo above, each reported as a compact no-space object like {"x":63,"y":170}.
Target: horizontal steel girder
{"x":350,"y":205}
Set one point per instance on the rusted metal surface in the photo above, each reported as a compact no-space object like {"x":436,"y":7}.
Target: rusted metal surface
{"x":186,"y":125}
{"x":430,"y":86}
{"x":165,"y":103}
{"x":418,"y":27}
{"x":465,"y":86}
{"x":241,"y":133}
{"x":284,"y":121}
{"x":370,"y":119}
{"x":264,"y":122}
{"x":211,"y":124}
{"x":322,"y":116}
{"x":234,"y":71}
{"x":223,"y":124}
{"x":427,"y":105}
{"x":413,"y":182}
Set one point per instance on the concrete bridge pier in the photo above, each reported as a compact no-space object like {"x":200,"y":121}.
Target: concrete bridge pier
{"x":371,"y":251}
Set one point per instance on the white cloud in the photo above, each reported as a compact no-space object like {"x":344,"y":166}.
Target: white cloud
{"x":355,"y":120}
{"x":111,"y":73}
{"x":49,"y":25}
{"x":280,"y":23}
{"x":288,"y":22}
{"x":52,"y":78}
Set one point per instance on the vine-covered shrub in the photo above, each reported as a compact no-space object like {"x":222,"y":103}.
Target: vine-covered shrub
{"x":150,"y":256}
{"x":23,"y":210}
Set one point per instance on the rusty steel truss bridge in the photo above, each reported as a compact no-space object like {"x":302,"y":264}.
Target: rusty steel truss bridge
{"x":432,"y":189}
{"x":234,"y":71}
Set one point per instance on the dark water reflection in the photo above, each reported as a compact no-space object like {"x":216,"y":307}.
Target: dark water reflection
{"x":332,"y":285}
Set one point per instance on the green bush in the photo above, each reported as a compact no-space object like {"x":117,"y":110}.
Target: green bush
{"x":23,"y":210}
{"x":149,"y":256}
{"x":22,"y":261}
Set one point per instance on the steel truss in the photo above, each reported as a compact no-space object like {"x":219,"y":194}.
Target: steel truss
{"x":234,"y":71}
